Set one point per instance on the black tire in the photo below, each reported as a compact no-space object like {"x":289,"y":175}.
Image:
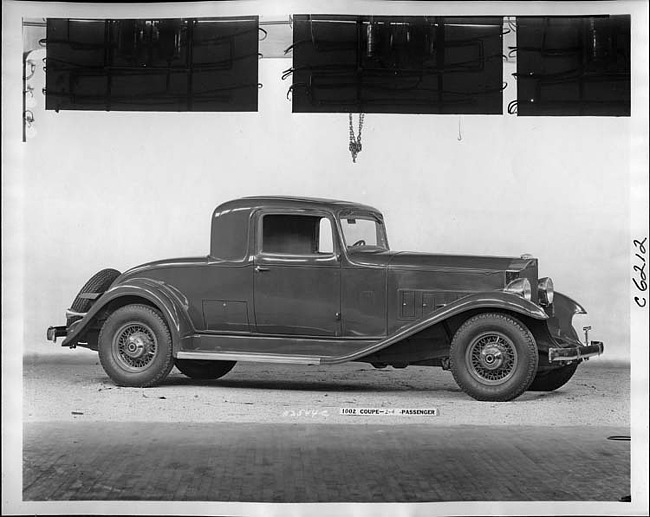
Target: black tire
{"x":135,"y":346}
{"x":199,"y":369}
{"x":553,"y":379}
{"x":493,"y":357}
{"x":98,"y":283}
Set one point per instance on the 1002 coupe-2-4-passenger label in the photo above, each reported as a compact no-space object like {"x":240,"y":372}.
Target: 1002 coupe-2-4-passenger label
{"x":354,"y":411}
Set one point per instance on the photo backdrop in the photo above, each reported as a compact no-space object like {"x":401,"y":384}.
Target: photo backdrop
{"x":116,"y":189}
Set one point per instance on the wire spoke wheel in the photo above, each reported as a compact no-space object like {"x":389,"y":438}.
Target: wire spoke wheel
{"x":493,"y":357}
{"x":135,"y":346}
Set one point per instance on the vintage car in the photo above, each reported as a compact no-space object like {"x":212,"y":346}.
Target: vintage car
{"x":313,"y":281}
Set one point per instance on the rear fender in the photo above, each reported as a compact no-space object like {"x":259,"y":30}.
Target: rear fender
{"x":171,"y":303}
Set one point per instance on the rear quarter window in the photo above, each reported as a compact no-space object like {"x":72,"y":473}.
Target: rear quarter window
{"x":230,"y":235}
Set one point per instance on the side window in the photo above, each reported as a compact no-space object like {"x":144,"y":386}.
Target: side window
{"x":296,"y":234}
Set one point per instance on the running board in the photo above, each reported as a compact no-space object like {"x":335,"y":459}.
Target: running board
{"x":267,"y":348}
{"x":249,"y":357}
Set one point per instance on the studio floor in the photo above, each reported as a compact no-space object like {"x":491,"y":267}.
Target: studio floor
{"x":299,"y":463}
{"x":274,"y":433}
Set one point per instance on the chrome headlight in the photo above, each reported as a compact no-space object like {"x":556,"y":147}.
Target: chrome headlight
{"x":545,"y":291}
{"x":520,"y":287}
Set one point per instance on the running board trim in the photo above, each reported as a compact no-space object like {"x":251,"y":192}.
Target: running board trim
{"x":249,"y":357}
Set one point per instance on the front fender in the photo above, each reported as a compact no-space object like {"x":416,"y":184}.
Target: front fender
{"x":492,"y":300}
{"x":560,"y":325}
{"x":499,"y":300}
{"x":166,"y":298}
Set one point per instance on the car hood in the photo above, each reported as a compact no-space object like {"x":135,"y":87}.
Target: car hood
{"x":409,"y":260}
{"x":459,"y":274}
{"x":428,"y":261}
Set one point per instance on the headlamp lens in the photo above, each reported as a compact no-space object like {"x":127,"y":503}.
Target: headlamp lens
{"x":545,"y":291}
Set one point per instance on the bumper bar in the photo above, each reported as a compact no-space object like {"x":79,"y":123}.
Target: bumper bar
{"x":575,"y":352}
{"x":55,"y":332}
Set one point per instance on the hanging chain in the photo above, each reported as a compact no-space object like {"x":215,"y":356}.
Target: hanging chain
{"x":355,"y":141}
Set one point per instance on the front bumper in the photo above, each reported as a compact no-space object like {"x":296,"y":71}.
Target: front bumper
{"x":573,"y":353}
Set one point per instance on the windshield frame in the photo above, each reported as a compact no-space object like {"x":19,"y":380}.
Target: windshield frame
{"x":380,"y":228}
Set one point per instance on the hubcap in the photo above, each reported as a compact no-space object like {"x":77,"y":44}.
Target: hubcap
{"x":135,"y":346}
{"x":492,"y":358}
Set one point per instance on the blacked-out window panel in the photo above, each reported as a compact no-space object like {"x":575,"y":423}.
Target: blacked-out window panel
{"x":402,"y":64}
{"x":220,"y":50}
{"x":573,"y":66}
{"x":86,"y":40}
{"x":328,"y":38}
{"x":473,"y":58}
{"x":202,"y":64}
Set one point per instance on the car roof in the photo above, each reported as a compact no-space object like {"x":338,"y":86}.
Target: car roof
{"x":293,"y":202}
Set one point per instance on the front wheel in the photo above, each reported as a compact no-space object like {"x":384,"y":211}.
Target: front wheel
{"x":493,"y":357}
{"x":203,"y":369}
{"x":135,"y":346}
{"x":553,"y":379}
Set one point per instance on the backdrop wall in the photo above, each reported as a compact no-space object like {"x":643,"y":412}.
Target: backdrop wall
{"x":118,"y":189}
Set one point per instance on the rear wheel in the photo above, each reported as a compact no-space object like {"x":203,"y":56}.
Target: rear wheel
{"x":200,"y":369}
{"x":553,"y":379}
{"x":493,"y":357}
{"x":135,"y":346}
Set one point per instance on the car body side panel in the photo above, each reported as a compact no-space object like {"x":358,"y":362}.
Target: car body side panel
{"x":219,"y":293}
{"x":412,"y":294}
{"x":298,"y":298}
{"x":363,"y":300}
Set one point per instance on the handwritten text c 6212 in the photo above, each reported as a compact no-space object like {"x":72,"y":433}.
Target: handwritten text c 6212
{"x":640,"y":278}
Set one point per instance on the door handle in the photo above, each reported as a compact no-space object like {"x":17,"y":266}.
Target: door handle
{"x":261,"y":269}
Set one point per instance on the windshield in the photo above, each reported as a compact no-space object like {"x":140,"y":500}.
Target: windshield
{"x":364,"y":233}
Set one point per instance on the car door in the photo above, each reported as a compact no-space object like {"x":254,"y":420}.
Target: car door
{"x":297,"y":274}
